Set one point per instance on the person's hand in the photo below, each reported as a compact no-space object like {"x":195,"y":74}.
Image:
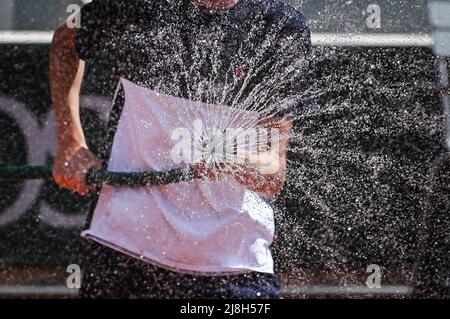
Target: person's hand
{"x":265,"y":163}
{"x":210,"y":172}
{"x":71,"y":165}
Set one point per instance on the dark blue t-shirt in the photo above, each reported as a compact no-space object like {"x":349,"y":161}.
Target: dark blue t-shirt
{"x":254,"y":55}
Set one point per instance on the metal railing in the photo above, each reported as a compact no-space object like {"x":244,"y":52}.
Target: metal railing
{"x":317,"y":39}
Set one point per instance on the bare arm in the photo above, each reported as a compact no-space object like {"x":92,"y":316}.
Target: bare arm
{"x":73,"y":158}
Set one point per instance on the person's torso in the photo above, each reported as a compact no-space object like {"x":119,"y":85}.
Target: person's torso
{"x":184,"y":50}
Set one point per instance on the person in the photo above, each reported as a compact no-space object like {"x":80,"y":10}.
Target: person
{"x":258,"y":52}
